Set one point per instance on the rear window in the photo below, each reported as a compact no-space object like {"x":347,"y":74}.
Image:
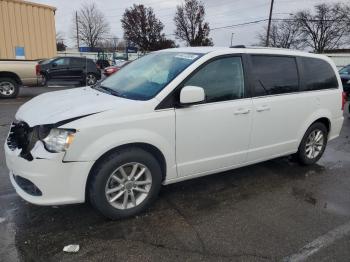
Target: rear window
{"x":274,"y":75}
{"x":318,"y":74}
{"x":91,"y":62}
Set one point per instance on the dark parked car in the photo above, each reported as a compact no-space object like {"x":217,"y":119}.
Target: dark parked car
{"x":66,"y":68}
{"x":345,"y":78}
{"x":113,"y":69}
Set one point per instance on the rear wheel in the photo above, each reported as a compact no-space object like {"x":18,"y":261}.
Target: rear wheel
{"x":91,"y":79}
{"x":9,"y":88}
{"x":313,"y":144}
{"x":125,"y":183}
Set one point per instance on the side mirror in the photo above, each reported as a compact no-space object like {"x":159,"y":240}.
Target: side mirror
{"x":191,"y":95}
{"x":54,"y":64}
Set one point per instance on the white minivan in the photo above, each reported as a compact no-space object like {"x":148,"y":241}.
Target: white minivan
{"x":170,"y":116}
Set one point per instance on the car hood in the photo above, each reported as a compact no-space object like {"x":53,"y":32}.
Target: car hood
{"x":53,"y":107}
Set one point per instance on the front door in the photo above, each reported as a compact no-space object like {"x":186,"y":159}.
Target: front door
{"x":59,"y":69}
{"x":214,"y":135}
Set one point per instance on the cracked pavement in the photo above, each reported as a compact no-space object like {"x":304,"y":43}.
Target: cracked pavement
{"x":263,"y":212}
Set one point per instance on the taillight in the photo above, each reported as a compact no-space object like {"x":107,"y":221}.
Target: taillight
{"x":37,"y":69}
{"x":343,"y":101}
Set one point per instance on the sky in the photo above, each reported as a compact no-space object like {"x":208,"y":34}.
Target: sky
{"x":219,"y":13}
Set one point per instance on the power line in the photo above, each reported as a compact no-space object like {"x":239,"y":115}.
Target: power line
{"x":263,"y":20}
{"x":234,"y":25}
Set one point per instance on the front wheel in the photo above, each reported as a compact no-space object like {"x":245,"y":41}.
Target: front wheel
{"x":125,"y":183}
{"x":313,"y":144}
{"x":44,"y":81}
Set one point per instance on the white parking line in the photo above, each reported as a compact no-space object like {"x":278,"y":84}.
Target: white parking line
{"x":319,"y":243}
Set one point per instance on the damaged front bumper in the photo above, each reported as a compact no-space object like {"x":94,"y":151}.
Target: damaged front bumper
{"x":45,"y":179}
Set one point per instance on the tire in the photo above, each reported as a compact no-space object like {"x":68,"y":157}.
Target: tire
{"x":44,"y":81}
{"x":310,"y":151}
{"x":102,"y":181}
{"x":91,"y":79}
{"x":9,"y":88}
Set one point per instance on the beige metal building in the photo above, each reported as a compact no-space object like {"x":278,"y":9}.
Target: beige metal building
{"x":27,"y":30}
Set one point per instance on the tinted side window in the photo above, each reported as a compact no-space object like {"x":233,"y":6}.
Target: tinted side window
{"x":318,"y":74}
{"x":221,"y":79}
{"x":76,"y":62}
{"x":274,"y":75}
{"x":91,"y":63}
{"x":62,"y":61}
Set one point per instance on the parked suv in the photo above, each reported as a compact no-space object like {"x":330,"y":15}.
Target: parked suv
{"x":169,"y":116}
{"x":67,"y":68}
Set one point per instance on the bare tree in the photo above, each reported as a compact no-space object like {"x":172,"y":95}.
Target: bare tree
{"x":92,"y":25}
{"x":283,"y":34}
{"x":142,"y":28}
{"x":325,"y":28}
{"x":109,"y":43}
{"x":190,"y":25}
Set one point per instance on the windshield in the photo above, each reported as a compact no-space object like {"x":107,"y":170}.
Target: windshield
{"x":146,"y":77}
{"x":345,"y":70}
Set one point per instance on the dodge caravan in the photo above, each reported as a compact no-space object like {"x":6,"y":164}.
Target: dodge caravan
{"x":170,"y":116}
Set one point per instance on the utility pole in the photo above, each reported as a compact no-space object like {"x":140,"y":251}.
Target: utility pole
{"x":232,"y":38}
{"x":76,"y":24}
{"x":269,"y":25}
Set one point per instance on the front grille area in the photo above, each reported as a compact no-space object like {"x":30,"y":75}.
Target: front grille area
{"x":22,"y":137}
{"x":27,"y":186}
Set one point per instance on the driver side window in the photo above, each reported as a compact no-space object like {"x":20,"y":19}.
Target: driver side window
{"x":221,"y":79}
{"x":62,"y":61}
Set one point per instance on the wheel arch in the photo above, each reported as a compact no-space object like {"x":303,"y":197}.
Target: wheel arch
{"x":11,"y":75}
{"x":156,"y":152}
{"x":323,"y":118}
{"x":325,"y":121}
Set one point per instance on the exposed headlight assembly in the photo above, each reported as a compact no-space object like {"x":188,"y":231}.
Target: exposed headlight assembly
{"x":58,"y":139}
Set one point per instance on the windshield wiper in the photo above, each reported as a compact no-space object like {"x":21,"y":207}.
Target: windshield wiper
{"x":104,"y":89}
{"x":110,"y":91}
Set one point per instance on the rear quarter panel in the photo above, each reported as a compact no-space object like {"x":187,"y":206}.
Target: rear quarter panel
{"x":326,"y":103}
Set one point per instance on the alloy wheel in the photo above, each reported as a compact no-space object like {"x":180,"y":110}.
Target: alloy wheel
{"x":128,"y":186}
{"x":90,"y":79}
{"x":7,"y":88}
{"x":314,"y":144}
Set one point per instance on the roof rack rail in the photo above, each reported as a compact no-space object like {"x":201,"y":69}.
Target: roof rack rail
{"x":237,"y":46}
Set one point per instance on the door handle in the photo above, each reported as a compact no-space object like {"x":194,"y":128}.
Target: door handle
{"x":242,"y":111}
{"x":263,"y":108}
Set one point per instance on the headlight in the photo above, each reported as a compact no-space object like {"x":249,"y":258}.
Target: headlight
{"x":58,"y":139}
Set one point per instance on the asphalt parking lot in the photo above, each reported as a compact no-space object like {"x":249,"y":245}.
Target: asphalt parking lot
{"x":273,"y":211}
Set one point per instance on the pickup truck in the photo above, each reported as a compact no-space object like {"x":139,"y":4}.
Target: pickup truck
{"x":17,"y":73}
